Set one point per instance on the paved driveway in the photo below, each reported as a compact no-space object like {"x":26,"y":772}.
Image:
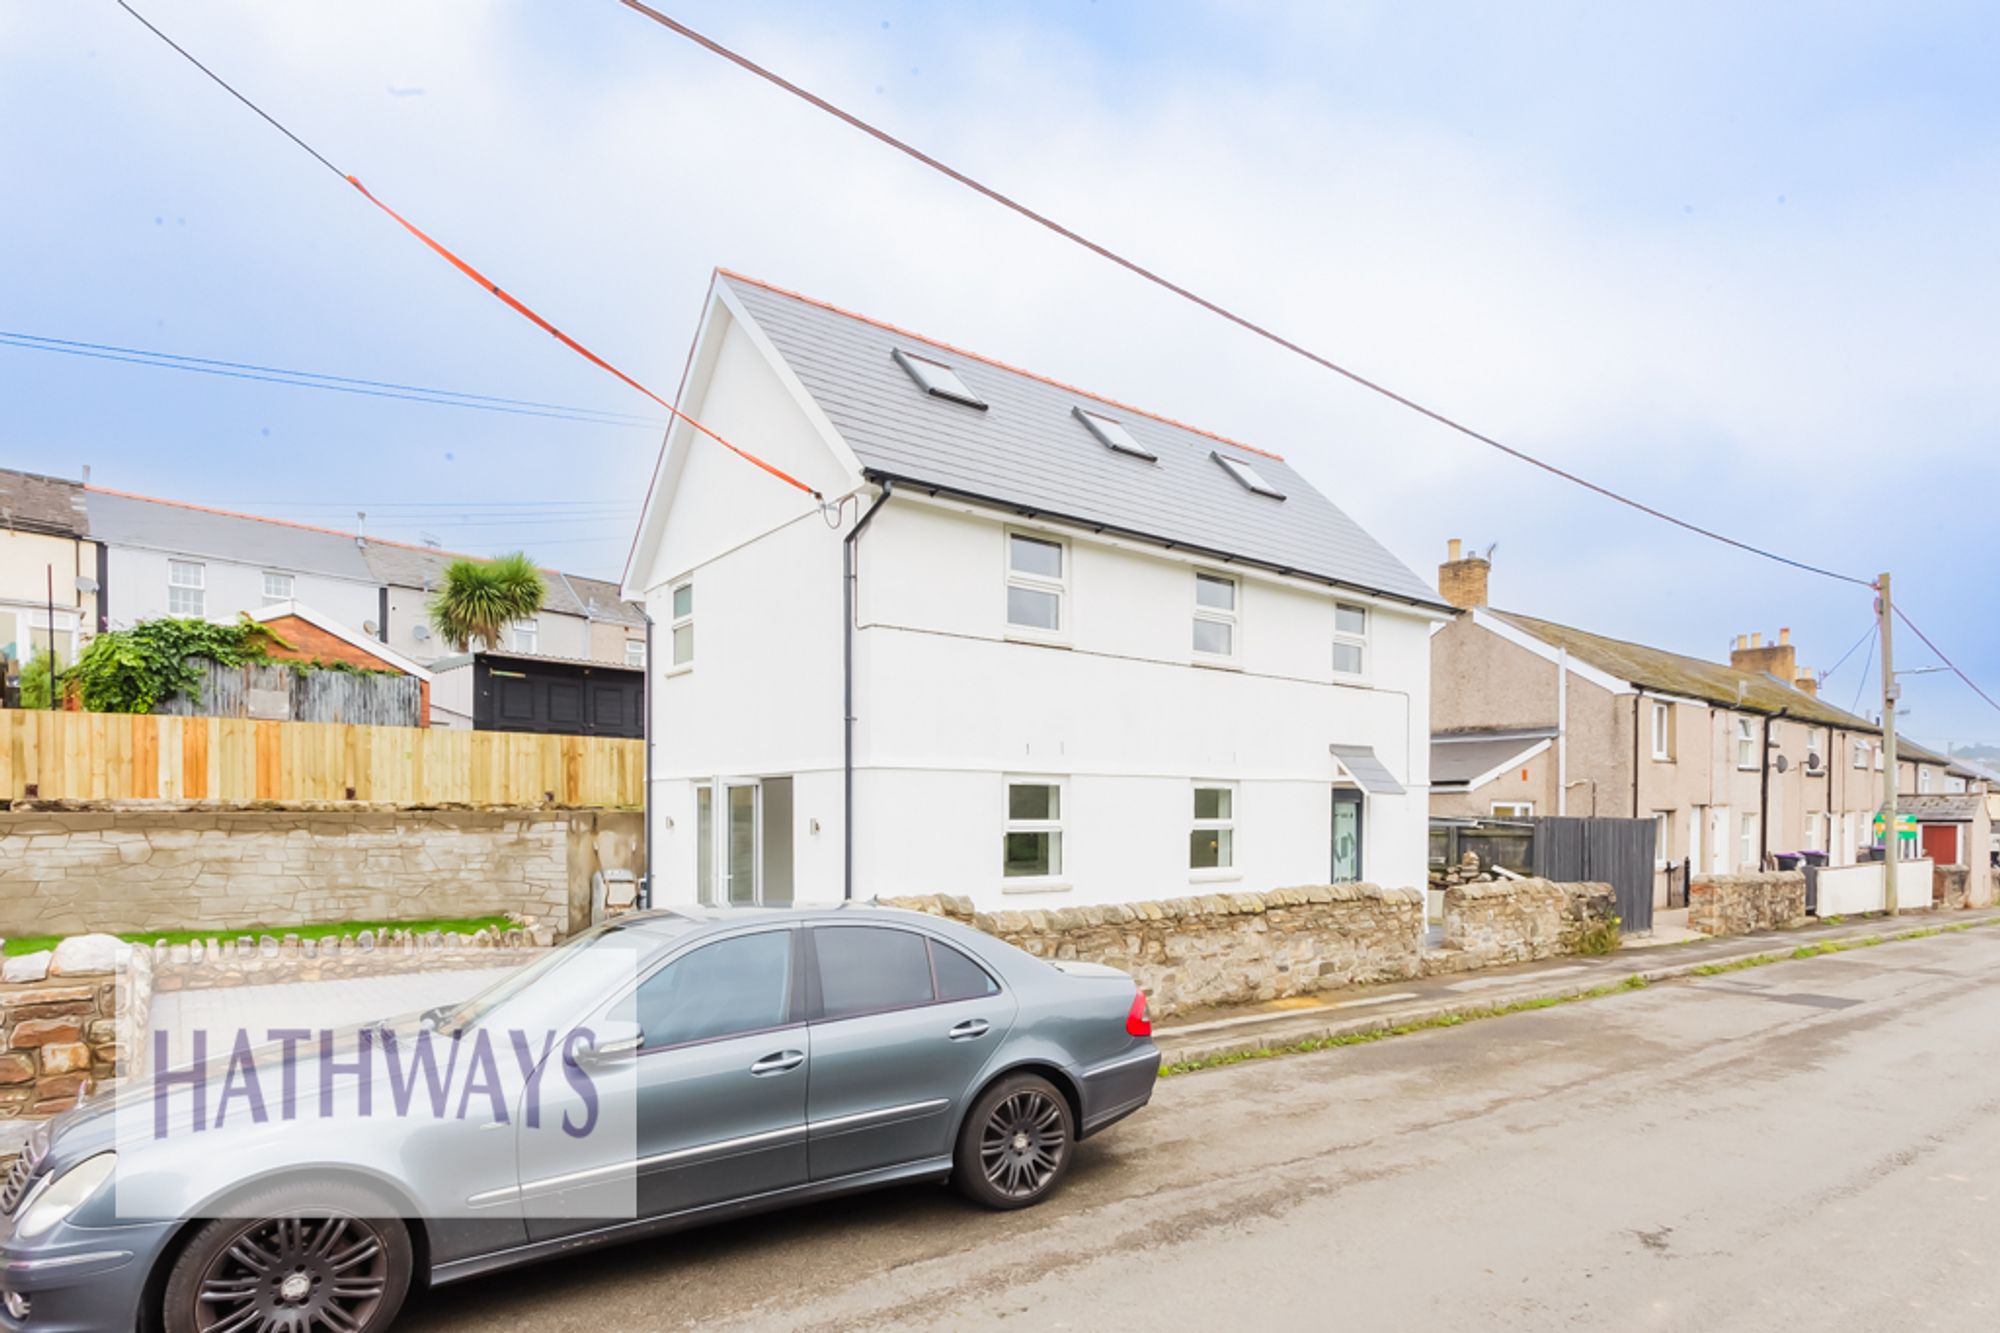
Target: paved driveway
{"x":1813,"y":1145}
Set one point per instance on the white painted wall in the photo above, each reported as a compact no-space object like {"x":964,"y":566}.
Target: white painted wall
{"x":1847,"y":890}
{"x":137,"y":579}
{"x":948,"y":706}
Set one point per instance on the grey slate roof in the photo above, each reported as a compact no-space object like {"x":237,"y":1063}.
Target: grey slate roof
{"x":568,"y":594}
{"x":118,"y":519}
{"x":1949,"y":808}
{"x":1029,"y":452}
{"x":31,"y":502}
{"x":1459,"y":757}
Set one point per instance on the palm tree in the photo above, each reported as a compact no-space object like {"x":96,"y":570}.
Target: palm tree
{"x":480,"y":598}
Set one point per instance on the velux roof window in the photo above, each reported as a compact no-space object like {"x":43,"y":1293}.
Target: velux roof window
{"x":1113,"y":435}
{"x":1249,"y":476}
{"x":937,"y":379}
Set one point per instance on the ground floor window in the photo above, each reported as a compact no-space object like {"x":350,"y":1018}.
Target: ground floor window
{"x":1032,"y":844}
{"x":1746,"y":850}
{"x":1212,"y":844}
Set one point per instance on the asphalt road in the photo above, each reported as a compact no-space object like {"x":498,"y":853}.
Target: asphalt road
{"x":1814,"y":1145}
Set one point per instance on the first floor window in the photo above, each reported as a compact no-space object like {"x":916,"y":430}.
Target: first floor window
{"x":1035,"y":583}
{"x":1663,"y":731}
{"x":635,"y":652}
{"x":1212,"y":845}
{"x":277,"y":588}
{"x":1350,"y":639}
{"x":187,"y":583}
{"x":1214,"y":615}
{"x":1514,"y":809}
{"x":682,"y":628}
{"x":1746,"y":743}
{"x":1033,"y":841}
{"x":1861,"y":754}
{"x":1746,"y":851}
{"x":1923,"y":779}
{"x":527,"y":636}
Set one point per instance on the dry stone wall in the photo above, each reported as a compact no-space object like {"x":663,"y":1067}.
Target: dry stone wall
{"x":68,"y":1027}
{"x":1740,"y":904}
{"x":132,"y":870}
{"x":1228,"y":948}
{"x":1950,"y":886}
{"x":1493,"y":923}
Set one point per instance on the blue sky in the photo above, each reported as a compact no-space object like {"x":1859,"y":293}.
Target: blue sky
{"x":1736,"y":260}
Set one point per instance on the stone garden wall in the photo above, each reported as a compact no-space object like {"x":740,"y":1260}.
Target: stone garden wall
{"x":1951,"y":883}
{"x":1496,"y":922}
{"x":140,"y":869}
{"x":1226,"y":948}
{"x":62,"y":1024}
{"x":1740,"y":904}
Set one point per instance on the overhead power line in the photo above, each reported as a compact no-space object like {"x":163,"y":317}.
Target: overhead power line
{"x":512,"y":302}
{"x":312,"y":379}
{"x":1949,"y":664}
{"x":1213,"y":307}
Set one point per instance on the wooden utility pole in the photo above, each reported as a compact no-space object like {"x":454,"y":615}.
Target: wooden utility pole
{"x":1892,"y":841}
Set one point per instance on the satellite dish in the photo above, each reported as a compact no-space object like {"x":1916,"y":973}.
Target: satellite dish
{"x":367,"y":627}
{"x":420,"y":632}
{"x":1783,"y":763}
{"x":1812,"y":763}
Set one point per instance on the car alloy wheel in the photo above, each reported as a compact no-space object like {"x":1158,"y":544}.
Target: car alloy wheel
{"x":1022,"y":1144}
{"x":299,"y":1273}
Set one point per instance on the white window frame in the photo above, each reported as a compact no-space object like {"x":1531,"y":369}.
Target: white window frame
{"x":1663,"y":839}
{"x":177,"y":584}
{"x":676,"y":623}
{"x":1812,"y":746}
{"x":1746,"y":841}
{"x":1346,"y":638}
{"x":1861,"y":755}
{"x":1225,"y":824}
{"x":1511,"y":809}
{"x":1663,"y":730}
{"x":1231,"y":618}
{"x":289,"y":584}
{"x":1878,"y":758}
{"x":532,"y":629}
{"x":1057,"y":586}
{"x":1923,"y":780}
{"x":635,"y":653}
{"x":1054,"y":880}
{"x":1746,"y":745}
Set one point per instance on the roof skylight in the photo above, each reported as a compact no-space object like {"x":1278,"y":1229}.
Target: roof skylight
{"x":1114,"y":435}
{"x":1248,"y":475}
{"x":937,"y":379}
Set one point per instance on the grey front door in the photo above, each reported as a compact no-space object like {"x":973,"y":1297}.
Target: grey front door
{"x":720,"y":1077}
{"x":904,"y":1026}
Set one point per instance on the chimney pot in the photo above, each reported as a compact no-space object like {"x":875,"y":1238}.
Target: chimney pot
{"x":1757,"y":638}
{"x":1454,"y":549}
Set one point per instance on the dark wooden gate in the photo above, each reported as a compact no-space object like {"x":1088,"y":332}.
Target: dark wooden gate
{"x":1618,"y":852}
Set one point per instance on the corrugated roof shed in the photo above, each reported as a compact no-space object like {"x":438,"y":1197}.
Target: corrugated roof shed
{"x":1028,"y":450}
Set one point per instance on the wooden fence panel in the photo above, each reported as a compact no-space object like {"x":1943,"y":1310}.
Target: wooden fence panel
{"x":64,"y":756}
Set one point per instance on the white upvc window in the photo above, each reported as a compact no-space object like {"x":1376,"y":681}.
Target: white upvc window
{"x":1746,"y":743}
{"x":1861,"y":754}
{"x":1350,"y":639}
{"x":635,"y":652}
{"x":1212,"y":844}
{"x":1037,"y":584}
{"x":1812,"y":745}
{"x":1214,"y":616}
{"x":277,"y":588}
{"x":187,"y":584}
{"x":1923,"y":779}
{"x":1663,"y":838}
{"x":681,"y":627}
{"x":1663,"y":730}
{"x":527,"y":636}
{"x":1033,"y":838}
{"x":1513,"y":809}
{"x":1878,"y":759}
{"x":1746,"y":849}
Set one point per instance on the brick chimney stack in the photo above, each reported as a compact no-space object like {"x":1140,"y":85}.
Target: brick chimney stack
{"x":1807,"y":683}
{"x":1779,"y":659}
{"x":1462,"y":578}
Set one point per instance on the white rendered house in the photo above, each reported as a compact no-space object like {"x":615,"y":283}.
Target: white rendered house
{"x":1093,"y":655}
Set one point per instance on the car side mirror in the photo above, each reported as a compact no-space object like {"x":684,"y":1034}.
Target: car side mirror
{"x":612,"y":1040}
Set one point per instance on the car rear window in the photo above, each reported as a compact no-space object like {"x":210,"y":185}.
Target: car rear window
{"x":958,"y":977}
{"x":863,"y":969}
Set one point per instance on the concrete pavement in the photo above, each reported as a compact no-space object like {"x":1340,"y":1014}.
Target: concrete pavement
{"x":1814,"y":1144}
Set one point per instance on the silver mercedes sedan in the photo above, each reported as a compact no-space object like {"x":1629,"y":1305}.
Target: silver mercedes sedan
{"x":665,"y":1070}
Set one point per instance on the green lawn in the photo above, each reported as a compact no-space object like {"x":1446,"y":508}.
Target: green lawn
{"x":464,"y":925}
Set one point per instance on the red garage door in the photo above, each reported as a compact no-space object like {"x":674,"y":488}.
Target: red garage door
{"x":1941,"y":843}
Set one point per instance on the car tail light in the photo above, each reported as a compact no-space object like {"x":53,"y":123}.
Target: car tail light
{"x":1136,"y":1021}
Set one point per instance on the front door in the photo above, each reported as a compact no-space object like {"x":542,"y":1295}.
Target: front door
{"x":1941,"y":844}
{"x":719,"y":1082}
{"x":906,"y":1025}
{"x":1347,"y":828}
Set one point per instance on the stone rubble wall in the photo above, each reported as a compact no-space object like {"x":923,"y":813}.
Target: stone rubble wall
{"x":1740,"y":904}
{"x":269,"y":960}
{"x":141,"y":869}
{"x":1951,"y":884}
{"x":1226,"y":948}
{"x":68,"y":1028}
{"x":1497,"y":922}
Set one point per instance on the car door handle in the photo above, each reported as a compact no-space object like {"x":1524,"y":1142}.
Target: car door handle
{"x":778,"y":1062}
{"x":972,"y":1029}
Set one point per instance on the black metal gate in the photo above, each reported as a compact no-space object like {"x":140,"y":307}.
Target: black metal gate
{"x":1618,"y":852}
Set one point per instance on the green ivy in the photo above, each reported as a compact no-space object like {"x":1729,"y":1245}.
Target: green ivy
{"x":133,"y":670}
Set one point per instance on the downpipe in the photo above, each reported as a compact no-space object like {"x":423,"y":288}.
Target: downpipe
{"x":850,"y":584}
